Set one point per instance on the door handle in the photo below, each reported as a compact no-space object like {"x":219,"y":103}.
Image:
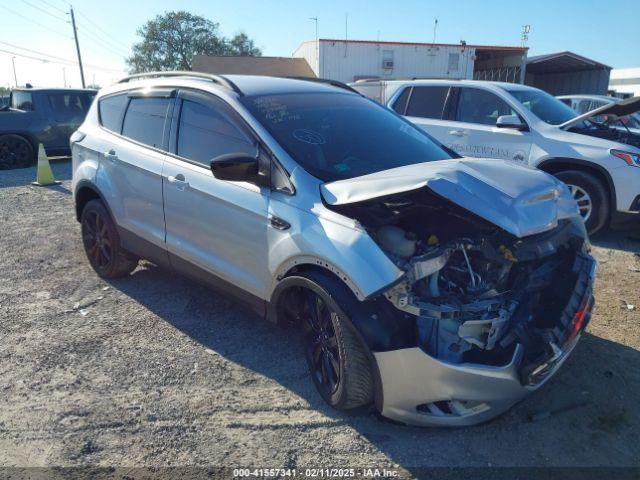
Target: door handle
{"x":278,"y":223}
{"x":458,"y":133}
{"x":111,"y":155}
{"x":179,"y":181}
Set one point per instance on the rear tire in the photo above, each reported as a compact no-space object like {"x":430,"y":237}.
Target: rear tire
{"x":591,"y":195}
{"x":339,"y":362}
{"x":15,"y":152}
{"x":102,"y":242}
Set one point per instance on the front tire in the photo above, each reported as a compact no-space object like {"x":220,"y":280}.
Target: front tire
{"x":339,"y":363}
{"x":592,"y":198}
{"x":102,"y":243}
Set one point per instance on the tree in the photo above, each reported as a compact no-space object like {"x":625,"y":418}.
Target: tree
{"x":241,"y":45}
{"x":170,"y":41}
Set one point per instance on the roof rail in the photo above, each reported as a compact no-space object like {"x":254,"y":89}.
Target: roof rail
{"x":218,"y":79}
{"x":333,"y":83}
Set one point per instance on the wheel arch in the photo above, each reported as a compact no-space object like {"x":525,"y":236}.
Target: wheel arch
{"x":556,"y":165}
{"x":84,"y":192}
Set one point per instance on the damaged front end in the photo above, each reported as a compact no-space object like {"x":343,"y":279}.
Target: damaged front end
{"x":476,"y":298}
{"x":495,"y":313}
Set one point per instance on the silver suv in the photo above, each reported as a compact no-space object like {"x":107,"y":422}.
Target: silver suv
{"x":440,"y":289}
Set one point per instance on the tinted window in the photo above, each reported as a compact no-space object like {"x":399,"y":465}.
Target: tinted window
{"x":427,"y":102}
{"x":401,"y":102}
{"x":21,"y":101}
{"x":547,"y":108}
{"x":481,"y":107}
{"x":111,"y":110}
{"x":341,"y":135}
{"x":145,"y":120}
{"x":207,"y":132}
{"x":70,"y":106}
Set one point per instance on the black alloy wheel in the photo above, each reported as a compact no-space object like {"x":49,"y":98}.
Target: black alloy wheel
{"x":321,"y":344}
{"x":97,"y":242}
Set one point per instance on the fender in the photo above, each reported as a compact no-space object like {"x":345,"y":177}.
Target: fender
{"x":550,"y":165}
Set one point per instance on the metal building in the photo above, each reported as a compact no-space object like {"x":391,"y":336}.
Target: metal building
{"x":352,"y":60}
{"x":566,"y":73}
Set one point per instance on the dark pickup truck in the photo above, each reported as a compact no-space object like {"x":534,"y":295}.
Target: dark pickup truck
{"x":40,"y":115}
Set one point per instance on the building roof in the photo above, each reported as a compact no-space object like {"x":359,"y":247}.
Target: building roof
{"x":562,"y":62}
{"x":419,"y":44}
{"x":272,"y":66}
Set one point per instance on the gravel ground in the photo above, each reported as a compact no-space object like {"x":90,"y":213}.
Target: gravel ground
{"x":154,"y":370}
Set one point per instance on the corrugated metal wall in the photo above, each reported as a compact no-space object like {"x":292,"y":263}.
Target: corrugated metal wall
{"x":348,"y":62}
{"x":593,"y":82}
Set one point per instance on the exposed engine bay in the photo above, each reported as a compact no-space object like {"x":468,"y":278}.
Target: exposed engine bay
{"x":472,"y":290}
{"x":613,"y":130}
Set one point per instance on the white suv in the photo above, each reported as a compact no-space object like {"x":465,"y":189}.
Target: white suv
{"x":601,"y":165}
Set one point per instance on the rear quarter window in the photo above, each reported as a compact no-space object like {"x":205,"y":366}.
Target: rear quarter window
{"x":400,"y":105}
{"x":111,"y":110}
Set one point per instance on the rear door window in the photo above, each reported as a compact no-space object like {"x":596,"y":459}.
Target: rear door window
{"x":145,"y":120}
{"x":208,"y":131}
{"x":427,"y":102}
{"x":111,"y":110}
{"x":70,"y":106}
{"x":481,"y":107}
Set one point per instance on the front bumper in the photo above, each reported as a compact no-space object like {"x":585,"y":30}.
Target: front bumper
{"x":420,"y":390}
{"x":417,"y":389}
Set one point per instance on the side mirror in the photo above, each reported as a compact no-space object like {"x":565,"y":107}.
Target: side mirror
{"x":510,"y":121}
{"x":235,"y":167}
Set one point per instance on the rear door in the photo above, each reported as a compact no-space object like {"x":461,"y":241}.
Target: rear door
{"x":130,"y":173}
{"x":427,"y":107}
{"x":217,"y":226}
{"x":475,"y":134}
{"x":67,"y":111}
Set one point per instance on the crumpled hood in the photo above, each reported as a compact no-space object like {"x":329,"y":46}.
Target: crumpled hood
{"x":620,"y":109}
{"x":521,"y":200}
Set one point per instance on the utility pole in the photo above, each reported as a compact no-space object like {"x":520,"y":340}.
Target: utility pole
{"x":75,"y":36}
{"x":64,"y":77}
{"x":15,"y":77}
{"x":435,"y":27}
{"x":315,"y":19}
{"x":346,"y":33}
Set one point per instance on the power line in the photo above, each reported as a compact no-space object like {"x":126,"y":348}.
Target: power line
{"x":53,"y":6}
{"x":33,"y":21}
{"x":58,"y":60}
{"x":57,"y":17}
{"x":101,"y":45}
{"x":99,"y":28}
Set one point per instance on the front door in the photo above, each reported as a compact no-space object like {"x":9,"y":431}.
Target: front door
{"x":214,"y":226}
{"x":473,"y":133}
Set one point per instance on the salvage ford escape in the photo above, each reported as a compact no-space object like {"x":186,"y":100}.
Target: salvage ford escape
{"x":440,"y":289}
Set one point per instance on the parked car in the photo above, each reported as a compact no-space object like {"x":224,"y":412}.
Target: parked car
{"x":594,"y":104}
{"x":38,"y":115}
{"x":4,"y":102}
{"x":600,"y":164}
{"x":440,"y":289}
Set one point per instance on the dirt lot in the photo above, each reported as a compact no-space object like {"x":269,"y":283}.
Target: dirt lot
{"x":153,"y":370}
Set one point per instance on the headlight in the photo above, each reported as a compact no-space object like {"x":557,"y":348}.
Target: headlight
{"x":629,"y":157}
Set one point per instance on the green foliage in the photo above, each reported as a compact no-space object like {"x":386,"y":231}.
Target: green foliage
{"x":170,"y":41}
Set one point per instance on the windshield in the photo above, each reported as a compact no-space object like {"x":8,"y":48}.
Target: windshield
{"x":544,"y":106}
{"x":336,"y":135}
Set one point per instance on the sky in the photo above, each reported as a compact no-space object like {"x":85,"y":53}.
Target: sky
{"x":603,"y":31}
